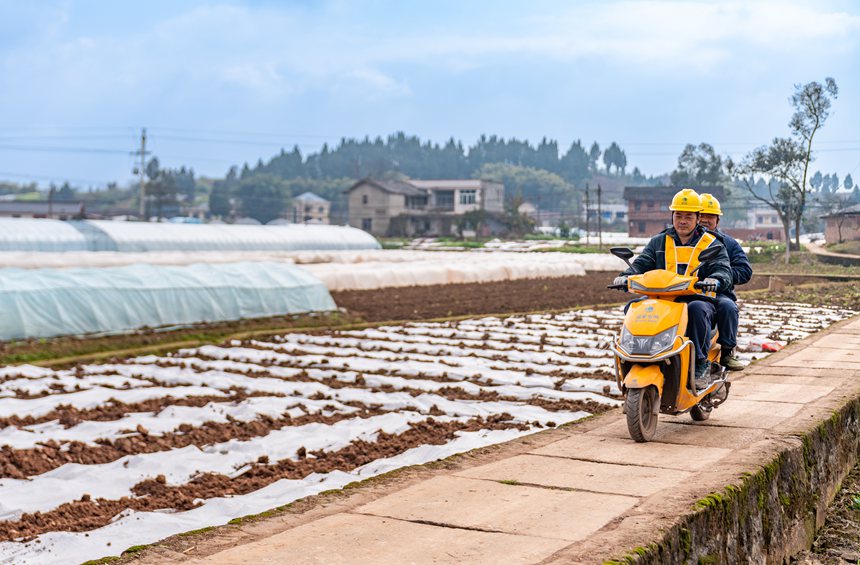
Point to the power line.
(52, 178)
(227, 141)
(57, 149)
(246, 133)
(61, 128)
(16, 138)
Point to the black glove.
(709, 285)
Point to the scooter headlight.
(663, 340)
(627, 341)
(647, 345)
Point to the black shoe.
(703, 374)
(730, 362)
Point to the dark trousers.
(727, 322)
(700, 320)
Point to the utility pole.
(587, 212)
(142, 152)
(51, 191)
(599, 221)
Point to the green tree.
(163, 191)
(827, 184)
(780, 161)
(816, 180)
(263, 196)
(517, 224)
(65, 193)
(574, 165)
(848, 183)
(546, 190)
(699, 166)
(186, 186)
(219, 200)
(614, 156)
(593, 156)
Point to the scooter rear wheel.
(641, 406)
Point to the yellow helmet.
(710, 205)
(686, 200)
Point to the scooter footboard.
(644, 375)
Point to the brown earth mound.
(526, 295)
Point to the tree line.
(538, 173)
(414, 158)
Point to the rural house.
(308, 208)
(421, 207)
(42, 209)
(648, 207)
(648, 214)
(842, 225)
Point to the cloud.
(270, 52)
(665, 34)
(377, 82)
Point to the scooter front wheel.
(642, 405)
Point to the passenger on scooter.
(726, 306)
(678, 248)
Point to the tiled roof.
(310, 197)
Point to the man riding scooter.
(726, 301)
(677, 249)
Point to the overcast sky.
(222, 83)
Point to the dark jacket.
(741, 268)
(654, 257)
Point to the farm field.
(100, 457)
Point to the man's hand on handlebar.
(708, 285)
(620, 283)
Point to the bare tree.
(811, 109)
(787, 159)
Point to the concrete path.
(581, 494)
(847, 259)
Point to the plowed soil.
(154, 494)
(525, 295)
(411, 303)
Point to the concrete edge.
(770, 514)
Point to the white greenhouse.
(52, 302)
(18, 234)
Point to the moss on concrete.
(770, 514)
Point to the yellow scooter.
(654, 359)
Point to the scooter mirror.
(622, 253)
(709, 253)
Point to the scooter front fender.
(641, 376)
